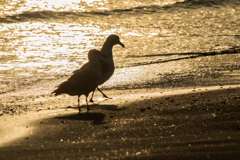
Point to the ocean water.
(44, 41)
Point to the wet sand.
(190, 123)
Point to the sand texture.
(197, 123)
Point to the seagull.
(84, 81)
(106, 61)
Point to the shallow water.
(44, 41)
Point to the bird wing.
(80, 82)
(84, 79)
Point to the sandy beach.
(175, 89)
(190, 123)
(166, 117)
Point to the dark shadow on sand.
(100, 107)
(96, 118)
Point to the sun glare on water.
(17, 7)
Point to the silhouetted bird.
(84, 81)
(106, 63)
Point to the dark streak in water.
(194, 55)
(39, 15)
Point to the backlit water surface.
(46, 40)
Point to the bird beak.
(121, 44)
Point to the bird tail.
(62, 88)
(56, 92)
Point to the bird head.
(114, 39)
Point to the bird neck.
(107, 49)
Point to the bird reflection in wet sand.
(106, 62)
(84, 81)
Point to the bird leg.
(79, 108)
(91, 100)
(87, 105)
(104, 95)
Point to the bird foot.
(105, 96)
(88, 109)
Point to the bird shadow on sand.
(100, 107)
(95, 117)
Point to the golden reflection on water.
(31, 51)
(11, 7)
(17, 6)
